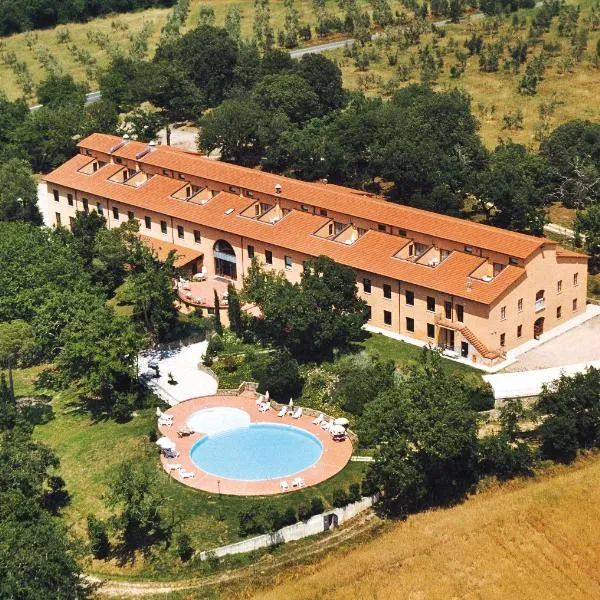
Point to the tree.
(207, 57)
(427, 439)
(234, 127)
(287, 93)
(571, 410)
(85, 228)
(217, 304)
(516, 186)
(233, 22)
(59, 90)
(505, 459)
(99, 544)
(124, 82)
(261, 27)
(325, 78)
(573, 153)
(359, 383)
(48, 135)
(278, 374)
(587, 223)
(315, 317)
(18, 193)
(234, 311)
(291, 24)
(134, 493)
(17, 343)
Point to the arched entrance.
(225, 261)
(538, 328)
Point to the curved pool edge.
(334, 458)
(299, 467)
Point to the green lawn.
(90, 451)
(404, 354)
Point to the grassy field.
(120, 26)
(90, 451)
(527, 539)
(572, 94)
(560, 215)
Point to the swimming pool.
(259, 451)
(217, 419)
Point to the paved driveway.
(578, 345)
(182, 363)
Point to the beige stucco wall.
(543, 271)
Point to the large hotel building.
(477, 290)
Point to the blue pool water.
(259, 451)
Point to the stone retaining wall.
(315, 525)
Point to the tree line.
(23, 15)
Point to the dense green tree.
(235, 128)
(360, 382)
(98, 351)
(17, 343)
(48, 135)
(571, 410)
(573, 152)
(101, 116)
(325, 78)
(514, 188)
(429, 147)
(59, 90)
(287, 93)
(85, 228)
(125, 82)
(133, 492)
(317, 316)
(234, 311)
(207, 57)
(427, 439)
(503, 458)
(278, 373)
(12, 114)
(18, 193)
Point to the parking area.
(576, 346)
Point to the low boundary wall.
(315, 525)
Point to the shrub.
(289, 516)
(250, 520)
(229, 363)
(559, 438)
(215, 345)
(354, 492)
(368, 487)
(122, 408)
(152, 435)
(482, 398)
(278, 372)
(184, 547)
(304, 512)
(339, 498)
(316, 506)
(99, 545)
(503, 459)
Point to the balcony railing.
(540, 304)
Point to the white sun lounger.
(173, 466)
(298, 413)
(298, 482)
(284, 486)
(281, 413)
(162, 415)
(318, 420)
(185, 474)
(259, 400)
(327, 425)
(166, 422)
(264, 407)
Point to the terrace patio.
(202, 293)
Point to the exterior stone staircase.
(468, 335)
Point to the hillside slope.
(524, 540)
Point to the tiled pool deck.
(334, 458)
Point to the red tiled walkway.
(334, 458)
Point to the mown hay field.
(526, 540)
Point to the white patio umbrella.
(164, 442)
(267, 395)
(341, 421)
(291, 403)
(337, 430)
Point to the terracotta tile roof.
(331, 197)
(373, 252)
(565, 253)
(162, 249)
